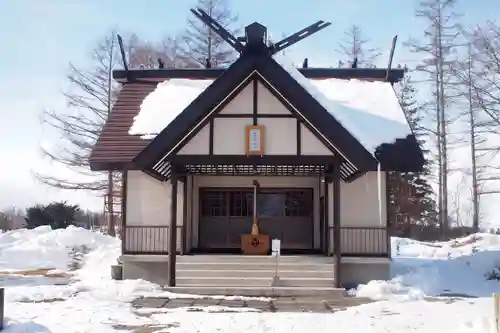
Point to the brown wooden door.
(226, 214)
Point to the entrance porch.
(308, 207)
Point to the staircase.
(255, 275)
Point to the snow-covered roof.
(370, 111)
(165, 103)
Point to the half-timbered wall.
(284, 134)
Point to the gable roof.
(293, 91)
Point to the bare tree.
(479, 77)
(437, 47)
(354, 45)
(200, 43)
(90, 98)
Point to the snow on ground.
(457, 267)
(89, 301)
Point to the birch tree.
(436, 46)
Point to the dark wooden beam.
(211, 137)
(172, 241)
(298, 136)
(124, 209)
(388, 221)
(392, 75)
(255, 101)
(326, 225)
(251, 115)
(336, 222)
(184, 214)
(248, 160)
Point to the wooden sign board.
(254, 140)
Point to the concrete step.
(322, 292)
(226, 266)
(257, 272)
(253, 282)
(254, 259)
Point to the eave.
(371, 74)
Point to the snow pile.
(468, 266)
(44, 248)
(164, 104)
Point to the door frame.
(263, 189)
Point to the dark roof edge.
(375, 74)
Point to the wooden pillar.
(2, 304)
(172, 241)
(184, 215)
(336, 222)
(326, 214)
(123, 234)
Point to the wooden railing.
(362, 241)
(149, 239)
(354, 241)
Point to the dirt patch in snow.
(47, 272)
(144, 328)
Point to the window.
(213, 203)
(241, 203)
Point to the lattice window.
(214, 204)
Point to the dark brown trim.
(211, 137)
(388, 212)
(336, 223)
(299, 137)
(326, 226)
(184, 215)
(355, 176)
(172, 245)
(294, 114)
(251, 115)
(395, 74)
(217, 93)
(215, 111)
(255, 101)
(273, 76)
(124, 208)
(257, 160)
(314, 112)
(154, 174)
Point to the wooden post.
(172, 245)
(2, 304)
(124, 210)
(326, 208)
(336, 222)
(111, 213)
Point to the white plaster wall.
(241, 103)
(267, 103)
(281, 135)
(148, 200)
(199, 144)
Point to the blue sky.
(40, 37)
